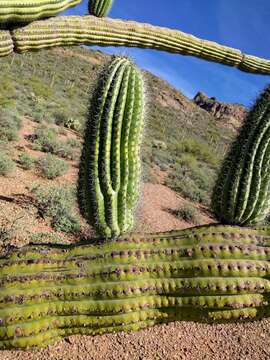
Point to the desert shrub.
(201, 150)
(66, 151)
(51, 167)
(27, 161)
(64, 119)
(188, 213)
(74, 143)
(45, 139)
(39, 87)
(10, 123)
(7, 165)
(58, 204)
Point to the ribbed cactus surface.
(242, 192)
(91, 30)
(99, 8)
(109, 176)
(214, 273)
(28, 10)
(6, 43)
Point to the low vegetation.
(188, 213)
(7, 165)
(51, 167)
(57, 203)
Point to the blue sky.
(242, 24)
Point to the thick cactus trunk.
(12, 11)
(214, 273)
(241, 195)
(90, 30)
(110, 166)
(100, 8)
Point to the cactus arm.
(29, 10)
(90, 30)
(49, 292)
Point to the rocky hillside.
(229, 115)
(44, 100)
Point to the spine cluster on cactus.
(13, 11)
(109, 176)
(100, 8)
(206, 274)
(242, 195)
(90, 30)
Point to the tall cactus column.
(215, 273)
(99, 8)
(242, 192)
(110, 166)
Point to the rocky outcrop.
(230, 115)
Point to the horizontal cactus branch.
(90, 30)
(109, 176)
(100, 8)
(241, 195)
(48, 292)
(14, 11)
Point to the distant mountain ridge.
(231, 115)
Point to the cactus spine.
(29, 10)
(241, 195)
(100, 8)
(90, 30)
(110, 165)
(49, 292)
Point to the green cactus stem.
(90, 30)
(242, 192)
(14, 11)
(48, 292)
(109, 176)
(100, 8)
(6, 43)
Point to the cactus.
(110, 165)
(241, 195)
(90, 30)
(49, 291)
(12, 11)
(6, 43)
(100, 8)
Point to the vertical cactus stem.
(99, 8)
(92, 202)
(239, 190)
(109, 146)
(109, 149)
(135, 145)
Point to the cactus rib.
(241, 195)
(100, 8)
(91, 30)
(48, 292)
(109, 172)
(13, 11)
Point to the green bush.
(10, 123)
(45, 139)
(58, 204)
(27, 161)
(51, 167)
(7, 165)
(188, 213)
(66, 151)
(63, 119)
